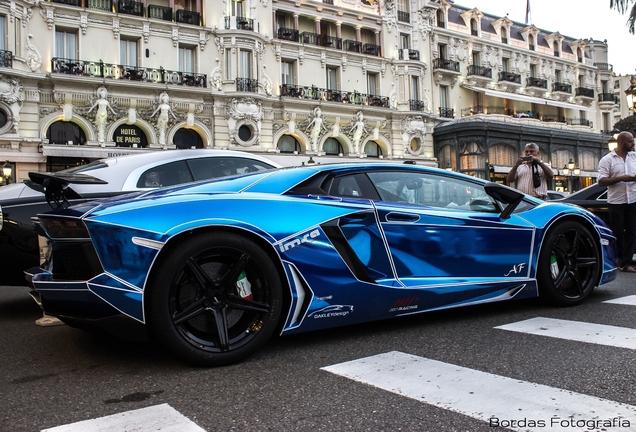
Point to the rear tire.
(194, 307)
(569, 264)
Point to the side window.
(432, 191)
(208, 168)
(169, 174)
(346, 187)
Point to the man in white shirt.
(527, 168)
(617, 171)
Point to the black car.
(592, 198)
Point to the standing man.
(617, 171)
(530, 173)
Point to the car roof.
(122, 172)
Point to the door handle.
(402, 217)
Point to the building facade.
(422, 80)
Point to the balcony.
(409, 54)
(558, 87)
(188, 17)
(606, 101)
(404, 16)
(247, 85)
(130, 7)
(69, 2)
(446, 112)
(509, 77)
(372, 49)
(320, 40)
(99, 69)
(103, 5)
(604, 67)
(417, 105)
(484, 109)
(352, 46)
(160, 12)
(6, 59)
(480, 71)
(450, 65)
(332, 95)
(584, 92)
(537, 82)
(288, 34)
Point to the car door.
(446, 231)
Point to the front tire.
(196, 309)
(569, 264)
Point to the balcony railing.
(160, 12)
(321, 40)
(417, 105)
(536, 82)
(479, 71)
(510, 77)
(404, 16)
(189, 17)
(331, 95)
(6, 59)
(561, 87)
(409, 54)
(450, 65)
(578, 122)
(485, 109)
(103, 5)
(352, 45)
(99, 69)
(447, 112)
(372, 49)
(604, 66)
(69, 2)
(288, 34)
(441, 24)
(130, 7)
(606, 97)
(247, 85)
(329, 2)
(585, 92)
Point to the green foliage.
(626, 124)
(622, 6)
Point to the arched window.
(504, 35)
(187, 138)
(372, 149)
(473, 27)
(447, 157)
(288, 144)
(531, 43)
(440, 19)
(332, 147)
(62, 132)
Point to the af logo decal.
(298, 240)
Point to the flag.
(528, 18)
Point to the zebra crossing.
(501, 402)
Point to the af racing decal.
(405, 305)
(296, 241)
(332, 311)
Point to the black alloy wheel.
(215, 299)
(569, 264)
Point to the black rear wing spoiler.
(56, 186)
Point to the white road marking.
(629, 300)
(500, 401)
(162, 418)
(577, 331)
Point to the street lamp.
(613, 141)
(570, 170)
(7, 170)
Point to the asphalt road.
(54, 376)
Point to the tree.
(622, 6)
(627, 124)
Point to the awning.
(532, 99)
(14, 156)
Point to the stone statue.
(165, 110)
(101, 116)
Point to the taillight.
(64, 228)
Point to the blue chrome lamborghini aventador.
(213, 269)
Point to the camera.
(527, 158)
